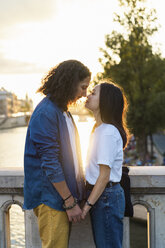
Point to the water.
(12, 143)
(17, 228)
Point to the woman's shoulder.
(108, 129)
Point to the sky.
(36, 35)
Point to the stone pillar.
(2, 230)
(159, 228)
(5, 202)
(126, 233)
(7, 226)
(32, 238)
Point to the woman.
(104, 165)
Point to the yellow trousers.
(53, 227)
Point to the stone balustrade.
(147, 189)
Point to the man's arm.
(74, 214)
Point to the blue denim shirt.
(48, 158)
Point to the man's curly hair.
(61, 82)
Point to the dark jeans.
(107, 218)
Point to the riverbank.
(15, 120)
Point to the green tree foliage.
(129, 60)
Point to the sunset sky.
(36, 35)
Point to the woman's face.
(93, 99)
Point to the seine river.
(12, 143)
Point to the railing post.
(7, 226)
(32, 238)
(126, 233)
(5, 202)
(160, 224)
(151, 228)
(2, 230)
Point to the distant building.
(25, 105)
(6, 103)
(10, 104)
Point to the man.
(54, 183)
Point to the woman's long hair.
(113, 106)
(61, 82)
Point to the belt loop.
(110, 184)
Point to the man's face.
(82, 88)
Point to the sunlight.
(73, 30)
(84, 129)
(69, 33)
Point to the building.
(25, 105)
(6, 102)
(10, 104)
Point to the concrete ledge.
(144, 179)
(147, 180)
(11, 171)
(147, 170)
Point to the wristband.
(89, 204)
(71, 206)
(67, 197)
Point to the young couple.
(54, 184)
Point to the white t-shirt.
(72, 136)
(105, 147)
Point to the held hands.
(75, 214)
(86, 209)
(73, 210)
(84, 212)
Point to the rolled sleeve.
(44, 134)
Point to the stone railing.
(147, 189)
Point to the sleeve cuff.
(56, 179)
(108, 163)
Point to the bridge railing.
(147, 189)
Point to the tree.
(129, 60)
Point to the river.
(12, 143)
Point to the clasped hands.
(77, 214)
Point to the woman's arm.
(98, 189)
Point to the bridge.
(147, 189)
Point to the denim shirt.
(48, 158)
